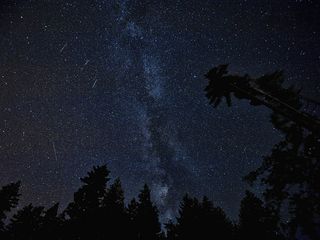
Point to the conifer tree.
(51, 224)
(9, 197)
(114, 217)
(132, 211)
(84, 213)
(147, 219)
(200, 220)
(26, 223)
(257, 221)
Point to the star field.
(120, 82)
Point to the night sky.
(120, 82)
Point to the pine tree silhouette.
(171, 230)
(84, 213)
(9, 197)
(146, 219)
(90, 195)
(26, 223)
(214, 221)
(256, 221)
(115, 218)
(114, 198)
(187, 222)
(132, 211)
(200, 220)
(51, 225)
(98, 213)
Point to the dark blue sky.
(120, 82)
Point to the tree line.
(98, 211)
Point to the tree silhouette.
(114, 198)
(214, 221)
(292, 172)
(132, 211)
(26, 223)
(51, 224)
(84, 212)
(267, 90)
(90, 195)
(256, 221)
(35, 223)
(220, 85)
(187, 221)
(114, 216)
(9, 197)
(146, 219)
(200, 220)
(171, 230)
(98, 212)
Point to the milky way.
(121, 83)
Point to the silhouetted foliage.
(146, 218)
(89, 197)
(84, 212)
(51, 224)
(26, 223)
(98, 212)
(9, 197)
(220, 85)
(257, 221)
(114, 216)
(267, 90)
(132, 211)
(35, 223)
(200, 220)
(291, 174)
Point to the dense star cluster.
(120, 82)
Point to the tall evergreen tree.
(257, 221)
(84, 213)
(188, 219)
(114, 217)
(214, 222)
(90, 195)
(9, 197)
(51, 225)
(114, 198)
(26, 223)
(147, 219)
(132, 211)
(171, 230)
(200, 220)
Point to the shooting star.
(85, 64)
(64, 46)
(94, 84)
(55, 152)
(245, 152)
